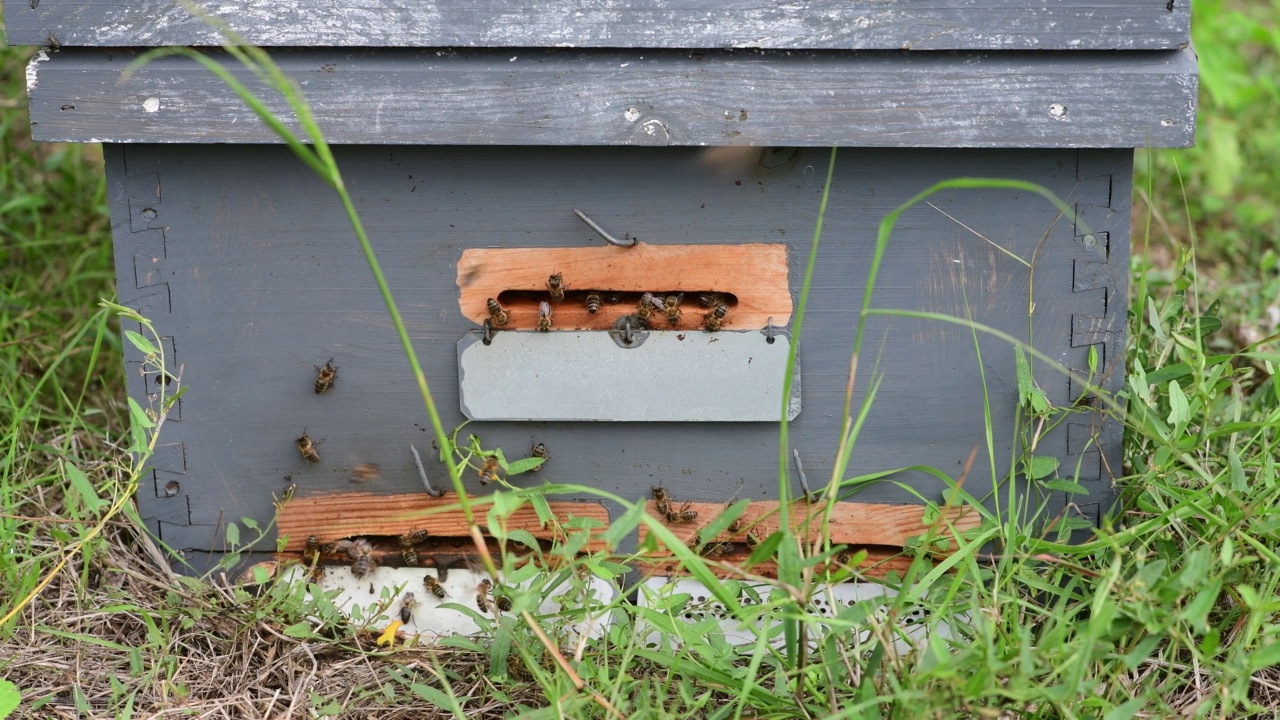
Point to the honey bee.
(311, 550)
(683, 515)
(308, 448)
(661, 500)
(407, 541)
(718, 549)
(365, 472)
(489, 471)
(407, 605)
(503, 602)
(325, 377)
(317, 575)
(714, 320)
(434, 587)
(544, 316)
(711, 300)
(497, 315)
(362, 554)
(555, 286)
(753, 542)
(645, 310)
(671, 306)
(736, 526)
(539, 450)
(593, 303)
(482, 595)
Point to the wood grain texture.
(646, 98)
(851, 523)
(342, 515)
(755, 274)
(848, 24)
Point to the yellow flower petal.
(388, 636)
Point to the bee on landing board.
(325, 377)
(407, 605)
(544, 316)
(555, 286)
(308, 448)
(489, 471)
(683, 515)
(644, 312)
(671, 306)
(661, 500)
(361, 553)
(593, 303)
(434, 587)
(714, 320)
(497, 315)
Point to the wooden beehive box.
(468, 135)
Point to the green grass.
(1170, 611)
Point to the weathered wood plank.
(849, 24)
(548, 97)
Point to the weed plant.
(1169, 610)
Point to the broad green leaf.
(1040, 466)
(84, 489)
(1023, 369)
(141, 342)
(1196, 612)
(1093, 360)
(233, 534)
(524, 465)
(1267, 657)
(541, 507)
(1235, 470)
(249, 523)
(623, 526)
(1065, 485)
(431, 695)
(9, 698)
(260, 575)
(139, 416)
(299, 630)
(1179, 410)
(1126, 710)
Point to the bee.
(671, 306)
(434, 587)
(718, 549)
(407, 541)
(362, 554)
(736, 526)
(844, 557)
(544, 316)
(365, 472)
(714, 320)
(593, 303)
(753, 542)
(503, 602)
(555, 286)
(539, 450)
(317, 575)
(311, 550)
(497, 315)
(661, 500)
(489, 471)
(407, 604)
(325, 377)
(308, 448)
(683, 515)
(645, 310)
(711, 300)
(482, 595)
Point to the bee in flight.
(361, 552)
(544, 316)
(407, 605)
(683, 515)
(325, 377)
(434, 587)
(365, 472)
(555, 286)
(714, 320)
(671, 306)
(482, 595)
(593, 303)
(539, 450)
(497, 316)
(407, 541)
(645, 310)
(489, 471)
(308, 448)
(661, 500)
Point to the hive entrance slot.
(575, 311)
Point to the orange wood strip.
(851, 523)
(341, 515)
(756, 273)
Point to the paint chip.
(151, 104)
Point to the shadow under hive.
(466, 168)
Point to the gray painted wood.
(548, 97)
(246, 263)
(841, 25)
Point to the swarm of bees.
(325, 377)
(489, 470)
(555, 286)
(434, 587)
(307, 447)
(662, 502)
(407, 541)
(544, 316)
(497, 316)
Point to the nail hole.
(149, 213)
